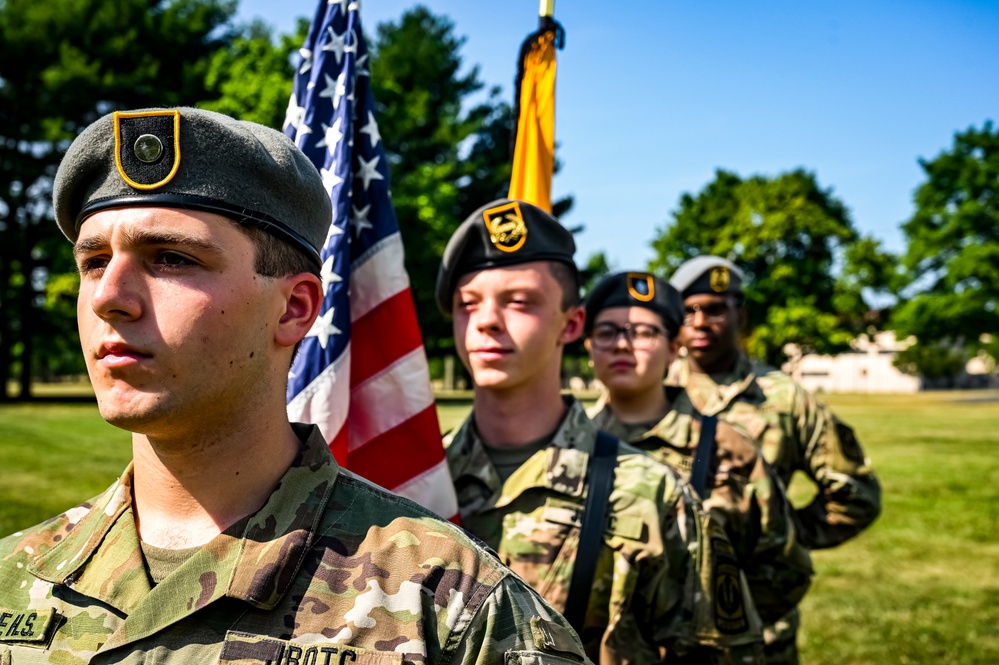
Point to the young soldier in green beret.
(632, 320)
(605, 533)
(233, 537)
(795, 431)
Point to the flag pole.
(547, 8)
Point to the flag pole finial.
(547, 8)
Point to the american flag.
(361, 373)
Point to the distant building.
(867, 368)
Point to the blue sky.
(653, 96)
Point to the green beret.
(193, 159)
(636, 289)
(707, 274)
(501, 233)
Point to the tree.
(63, 64)
(952, 262)
(252, 78)
(786, 233)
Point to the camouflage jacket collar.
(563, 468)
(673, 429)
(257, 568)
(709, 394)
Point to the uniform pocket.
(540, 547)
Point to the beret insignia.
(641, 287)
(147, 147)
(505, 223)
(719, 279)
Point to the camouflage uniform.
(666, 583)
(744, 493)
(331, 571)
(796, 433)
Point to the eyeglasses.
(711, 313)
(639, 335)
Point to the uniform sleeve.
(514, 626)
(849, 496)
(715, 620)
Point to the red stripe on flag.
(339, 446)
(393, 324)
(400, 453)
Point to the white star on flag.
(327, 274)
(369, 170)
(334, 230)
(359, 219)
(334, 89)
(330, 178)
(323, 328)
(294, 115)
(306, 60)
(359, 69)
(336, 45)
(331, 136)
(371, 129)
(303, 131)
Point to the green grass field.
(921, 586)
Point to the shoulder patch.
(730, 610)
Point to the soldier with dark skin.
(665, 587)
(632, 323)
(233, 536)
(794, 430)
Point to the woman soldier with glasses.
(632, 321)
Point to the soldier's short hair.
(273, 257)
(568, 279)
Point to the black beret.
(193, 159)
(501, 233)
(636, 289)
(707, 274)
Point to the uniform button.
(148, 148)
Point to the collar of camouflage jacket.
(561, 466)
(100, 556)
(709, 394)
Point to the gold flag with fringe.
(534, 151)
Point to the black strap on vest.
(705, 451)
(600, 478)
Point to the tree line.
(813, 279)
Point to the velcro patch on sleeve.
(25, 625)
(553, 638)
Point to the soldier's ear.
(742, 317)
(575, 317)
(303, 299)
